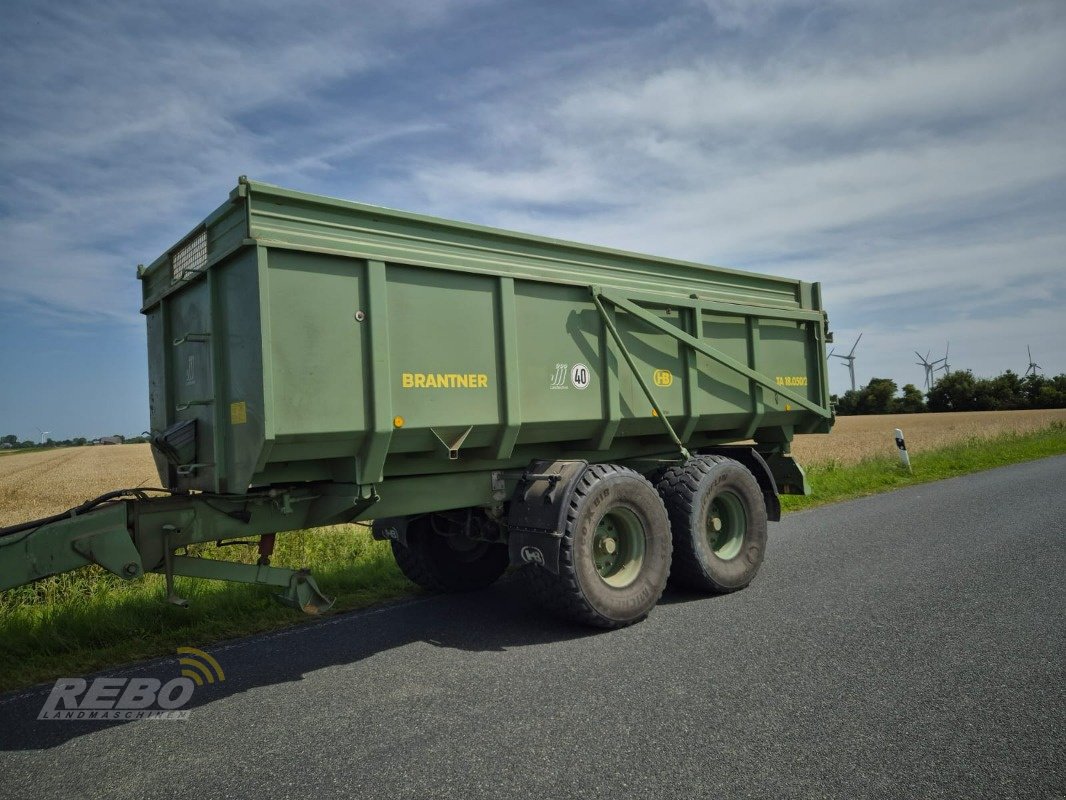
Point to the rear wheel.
(453, 563)
(614, 557)
(718, 520)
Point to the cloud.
(921, 177)
(124, 124)
(723, 103)
(744, 15)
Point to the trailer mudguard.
(536, 517)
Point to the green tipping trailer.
(488, 398)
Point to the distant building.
(6, 446)
(109, 440)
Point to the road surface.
(909, 644)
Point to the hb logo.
(533, 555)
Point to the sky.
(911, 156)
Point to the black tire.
(597, 585)
(448, 563)
(709, 558)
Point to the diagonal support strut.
(596, 295)
(717, 355)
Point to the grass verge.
(87, 620)
(832, 482)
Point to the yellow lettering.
(444, 380)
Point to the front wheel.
(448, 563)
(718, 519)
(614, 556)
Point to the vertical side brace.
(693, 319)
(819, 330)
(168, 379)
(758, 406)
(266, 356)
(611, 397)
(377, 350)
(220, 434)
(636, 372)
(507, 367)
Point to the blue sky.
(909, 155)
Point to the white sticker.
(580, 376)
(559, 376)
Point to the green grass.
(88, 620)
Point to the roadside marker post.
(904, 457)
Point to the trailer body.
(311, 339)
(314, 360)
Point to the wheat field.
(856, 438)
(47, 482)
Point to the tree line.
(957, 391)
(12, 441)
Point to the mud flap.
(531, 547)
(393, 529)
(536, 517)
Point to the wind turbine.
(930, 366)
(849, 359)
(43, 434)
(946, 368)
(1033, 366)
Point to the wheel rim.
(618, 547)
(726, 524)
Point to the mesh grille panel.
(190, 258)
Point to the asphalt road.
(910, 644)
